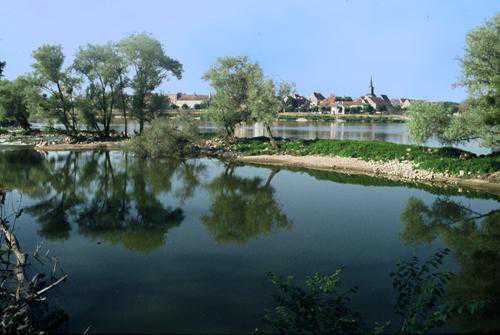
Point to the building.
(315, 98)
(190, 100)
(378, 103)
(328, 102)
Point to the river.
(165, 246)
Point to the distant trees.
(149, 65)
(480, 117)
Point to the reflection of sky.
(194, 283)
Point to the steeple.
(372, 89)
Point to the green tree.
(480, 117)
(59, 85)
(168, 137)
(266, 102)
(232, 78)
(149, 66)
(103, 68)
(17, 101)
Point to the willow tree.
(58, 85)
(102, 67)
(267, 101)
(480, 116)
(149, 66)
(233, 79)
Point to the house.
(315, 98)
(190, 100)
(328, 102)
(347, 107)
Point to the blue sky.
(410, 47)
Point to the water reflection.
(117, 201)
(243, 208)
(474, 239)
(116, 198)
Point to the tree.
(266, 102)
(150, 66)
(102, 67)
(58, 85)
(480, 117)
(232, 78)
(17, 101)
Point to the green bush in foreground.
(170, 137)
(447, 159)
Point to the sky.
(410, 47)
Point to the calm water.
(389, 132)
(162, 246)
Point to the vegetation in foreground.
(447, 160)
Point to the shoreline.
(393, 170)
(390, 170)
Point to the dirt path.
(393, 169)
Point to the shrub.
(172, 137)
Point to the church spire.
(372, 89)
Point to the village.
(370, 103)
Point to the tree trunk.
(271, 137)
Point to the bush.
(172, 137)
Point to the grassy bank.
(446, 160)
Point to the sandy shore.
(392, 170)
(111, 145)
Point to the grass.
(448, 160)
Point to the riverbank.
(383, 159)
(394, 170)
(388, 160)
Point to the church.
(379, 103)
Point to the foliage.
(103, 68)
(17, 101)
(169, 137)
(59, 85)
(232, 78)
(149, 66)
(420, 290)
(318, 308)
(480, 117)
(445, 159)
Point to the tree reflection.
(109, 196)
(475, 240)
(242, 208)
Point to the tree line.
(103, 78)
